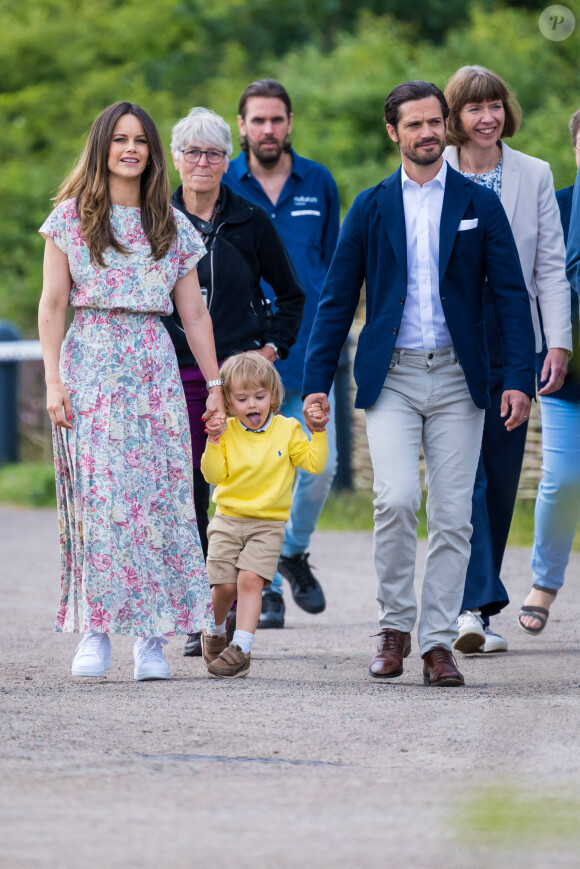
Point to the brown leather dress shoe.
(392, 647)
(440, 669)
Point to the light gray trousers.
(425, 400)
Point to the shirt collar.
(440, 178)
(241, 168)
(257, 430)
(298, 165)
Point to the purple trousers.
(195, 397)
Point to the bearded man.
(301, 197)
(425, 240)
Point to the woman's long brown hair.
(88, 184)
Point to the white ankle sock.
(244, 640)
(218, 631)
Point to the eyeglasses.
(193, 155)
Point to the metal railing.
(19, 351)
(14, 351)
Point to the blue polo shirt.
(307, 217)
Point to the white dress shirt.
(423, 326)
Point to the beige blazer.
(529, 200)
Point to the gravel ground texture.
(307, 762)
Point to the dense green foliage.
(62, 61)
(28, 484)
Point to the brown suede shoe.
(212, 647)
(440, 669)
(392, 647)
(231, 663)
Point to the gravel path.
(307, 762)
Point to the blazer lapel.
(390, 204)
(455, 201)
(451, 154)
(510, 180)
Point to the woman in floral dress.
(120, 255)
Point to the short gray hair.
(202, 125)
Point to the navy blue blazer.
(573, 239)
(372, 247)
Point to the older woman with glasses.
(482, 113)
(243, 248)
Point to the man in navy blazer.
(424, 240)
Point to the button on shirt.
(423, 326)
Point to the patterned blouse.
(133, 281)
(491, 180)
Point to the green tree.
(62, 61)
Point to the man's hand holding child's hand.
(315, 418)
(215, 427)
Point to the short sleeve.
(191, 247)
(58, 224)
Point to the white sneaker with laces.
(494, 642)
(93, 655)
(149, 660)
(471, 635)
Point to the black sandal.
(538, 612)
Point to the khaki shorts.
(238, 543)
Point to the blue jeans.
(558, 503)
(310, 490)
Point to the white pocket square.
(467, 224)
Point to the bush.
(28, 485)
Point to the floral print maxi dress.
(131, 561)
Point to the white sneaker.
(149, 660)
(471, 632)
(494, 642)
(93, 655)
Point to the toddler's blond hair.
(250, 370)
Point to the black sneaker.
(273, 609)
(192, 648)
(231, 624)
(306, 589)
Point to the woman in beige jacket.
(483, 112)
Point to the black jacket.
(243, 247)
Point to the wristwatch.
(217, 382)
(274, 348)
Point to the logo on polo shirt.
(300, 202)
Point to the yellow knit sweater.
(254, 472)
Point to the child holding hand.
(251, 460)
